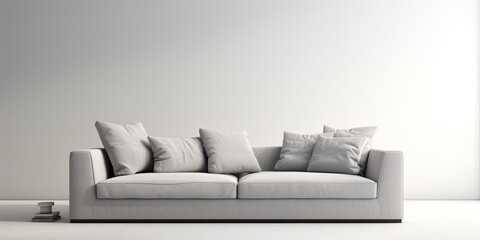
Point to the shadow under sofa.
(269, 196)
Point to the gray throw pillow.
(178, 154)
(337, 155)
(297, 151)
(229, 152)
(127, 147)
(356, 132)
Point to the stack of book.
(46, 217)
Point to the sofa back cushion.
(229, 152)
(127, 147)
(337, 155)
(356, 132)
(297, 151)
(178, 154)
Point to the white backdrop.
(409, 67)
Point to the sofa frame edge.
(235, 220)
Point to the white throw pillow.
(297, 151)
(178, 154)
(337, 155)
(127, 147)
(356, 132)
(229, 152)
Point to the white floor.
(423, 220)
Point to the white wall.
(409, 67)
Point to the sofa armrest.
(386, 168)
(87, 168)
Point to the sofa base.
(91, 167)
(234, 210)
(235, 220)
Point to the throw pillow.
(178, 154)
(337, 155)
(297, 151)
(356, 132)
(229, 152)
(127, 147)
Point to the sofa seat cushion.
(169, 185)
(305, 185)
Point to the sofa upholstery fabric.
(169, 185)
(356, 132)
(229, 152)
(337, 155)
(89, 167)
(275, 184)
(178, 154)
(127, 147)
(297, 151)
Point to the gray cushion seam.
(319, 198)
(167, 198)
(168, 183)
(313, 183)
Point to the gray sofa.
(267, 196)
